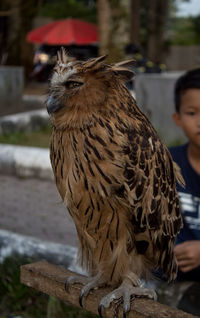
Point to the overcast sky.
(189, 8)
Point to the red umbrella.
(66, 32)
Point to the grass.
(17, 299)
(39, 138)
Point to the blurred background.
(162, 33)
(163, 36)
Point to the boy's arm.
(188, 255)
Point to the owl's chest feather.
(85, 170)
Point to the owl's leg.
(124, 294)
(88, 282)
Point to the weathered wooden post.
(50, 279)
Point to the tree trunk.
(104, 22)
(20, 23)
(156, 18)
(135, 7)
(113, 22)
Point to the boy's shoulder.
(192, 179)
(179, 152)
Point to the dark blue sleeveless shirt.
(190, 203)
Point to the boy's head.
(189, 80)
(187, 104)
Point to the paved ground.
(33, 207)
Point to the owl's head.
(78, 88)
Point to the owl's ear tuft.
(125, 74)
(126, 64)
(123, 69)
(62, 56)
(95, 63)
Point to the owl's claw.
(127, 306)
(100, 310)
(79, 280)
(92, 283)
(83, 294)
(125, 294)
(76, 280)
(67, 283)
(81, 299)
(72, 280)
(125, 310)
(88, 282)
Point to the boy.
(187, 117)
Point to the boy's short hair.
(191, 79)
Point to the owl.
(115, 176)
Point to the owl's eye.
(72, 84)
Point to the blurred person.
(187, 156)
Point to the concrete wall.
(11, 88)
(182, 57)
(154, 95)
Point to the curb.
(26, 121)
(25, 162)
(36, 249)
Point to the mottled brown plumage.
(114, 174)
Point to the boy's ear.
(176, 119)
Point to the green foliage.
(18, 299)
(185, 31)
(196, 26)
(178, 30)
(39, 138)
(61, 9)
(15, 298)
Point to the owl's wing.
(150, 176)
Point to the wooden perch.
(50, 279)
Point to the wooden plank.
(50, 279)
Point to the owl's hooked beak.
(53, 105)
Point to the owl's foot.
(124, 294)
(88, 282)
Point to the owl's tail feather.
(174, 271)
(178, 174)
(167, 261)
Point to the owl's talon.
(88, 282)
(100, 310)
(81, 297)
(75, 280)
(124, 314)
(67, 283)
(125, 310)
(125, 294)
